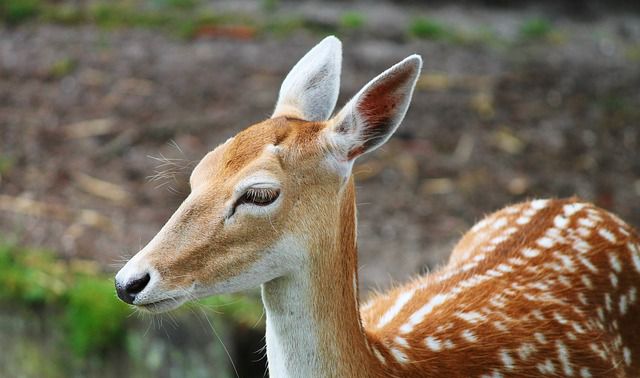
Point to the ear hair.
(370, 118)
(310, 90)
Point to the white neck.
(313, 320)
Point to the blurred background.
(105, 107)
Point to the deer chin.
(162, 305)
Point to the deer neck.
(313, 320)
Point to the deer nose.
(128, 291)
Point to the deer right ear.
(310, 90)
(372, 115)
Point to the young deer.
(544, 288)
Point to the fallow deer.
(543, 288)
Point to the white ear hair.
(310, 90)
(370, 118)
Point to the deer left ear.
(373, 115)
(310, 90)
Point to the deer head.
(257, 200)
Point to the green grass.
(83, 298)
(426, 28)
(536, 29)
(352, 20)
(16, 11)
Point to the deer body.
(545, 288)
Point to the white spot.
(379, 356)
(523, 220)
(419, 315)
(571, 336)
(540, 337)
(469, 336)
(585, 373)
(587, 263)
(632, 294)
(507, 360)
(547, 367)
(626, 352)
(623, 304)
(510, 231)
(560, 222)
(538, 314)
(398, 355)
(586, 281)
(494, 374)
(584, 232)
(500, 326)
(614, 279)
(499, 223)
(600, 313)
(607, 302)
(494, 273)
(615, 262)
(586, 222)
(525, 350)
(471, 317)
(598, 351)
(577, 327)
(635, 256)
(516, 261)
(572, 208)
(566, 261)
(583, 299)
(563, 357)
(581, 246)
(545, 242)
(392, 312)
(505, 268)
(530, 252)
(498, 239)
(607, 235)
(539, 204)
(433, 344)
(559, 318)
(448, 344)
(401, 341)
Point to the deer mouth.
(162, 305)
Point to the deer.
(547, 287)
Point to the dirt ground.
(87, 116)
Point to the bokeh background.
(105, 107)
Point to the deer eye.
(259, 196)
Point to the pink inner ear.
(381, 99)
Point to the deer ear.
(372, 116)
(310, 90)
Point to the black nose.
(129, 291)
